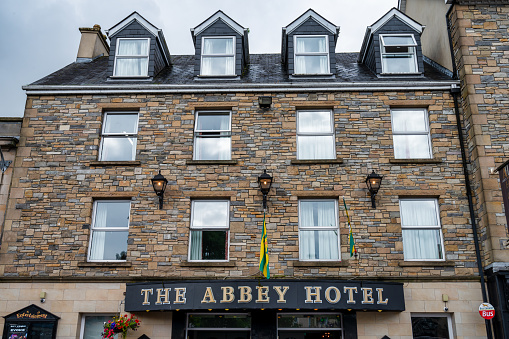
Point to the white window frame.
(326, 53)
(319, 228)
(225, 55)
(436, 315)
(426, 132)
(84, 315)
(106, 229)
(105, 135)
(424, 227)
(209, 228)
(226, 133)
(331, 133)
(412, 51)
(145, 56)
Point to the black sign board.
(264, 294)
(30, 322)
(17, 331)
(504, 183)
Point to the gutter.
(282, 87)
(455, 91)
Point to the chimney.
(93, 44)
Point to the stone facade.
(480, 41)
(57, 178)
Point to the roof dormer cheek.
(221, 48)
(138, 49)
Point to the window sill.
(415, 161)
(316, 161)
(313, 76)
(320, 264)
(207, 264)
(211, 162)
(217, 77)
(401, 74)
(431, 263)
(104, 264)
(129, 78)
(116, 163)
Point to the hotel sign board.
(264, 294)
(503, 172)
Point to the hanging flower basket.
(120, 325)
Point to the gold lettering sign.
(263, 294)
(327, 295)
(163, 295)
(245, 294)
(145, 292)
(350, 294)
(28, 315)
(380, 300)
(180, 295)
(208, 298)
(310, 294)
(281, 293)
(228, 296)
(367, 295)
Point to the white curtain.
(221, 64)
(213, 146)
(131, 66)
(422, 244)
(406, 144)
(218, 65)
(196, 245)
(318, 243)
(315, 147)
(99, 237)
(311, 64)
(419, 242)
(132, 47)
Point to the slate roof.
(263, 69)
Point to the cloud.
(40, 37)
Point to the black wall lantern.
(373, 182)
(264, 102)
(159, 183)
(265, 182)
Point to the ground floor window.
(309, 326)
(218, 326)
(426, 325)
(92, 325)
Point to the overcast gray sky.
(39, 37)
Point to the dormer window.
(311, 55)
(131, 57)
(218, 56)
(398, 54)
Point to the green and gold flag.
(351, 241)
(264, 252)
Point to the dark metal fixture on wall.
(373, 182)
(265, 182)
(265, 102)
(159, 183)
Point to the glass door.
(218, 326)
(310, 326)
